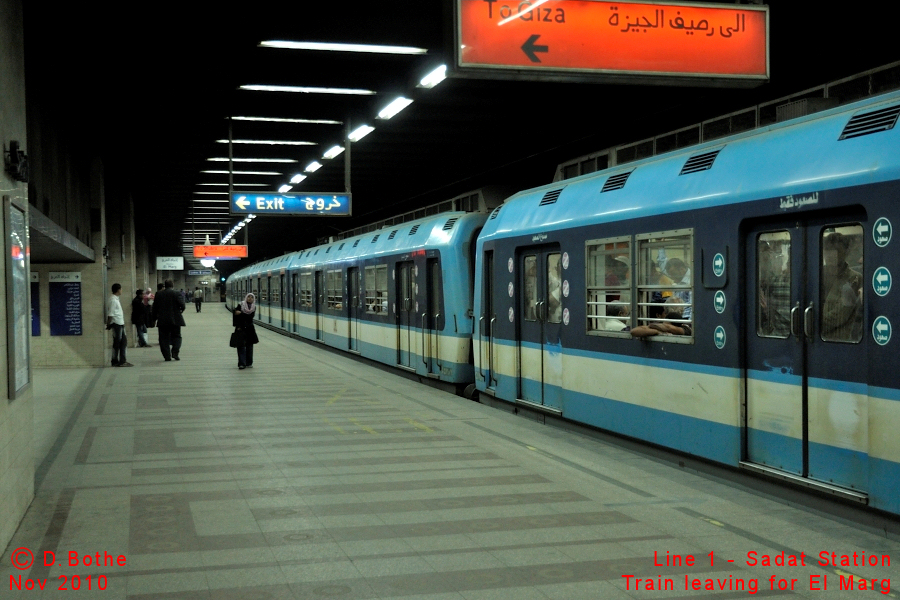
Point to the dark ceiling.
(150, 87)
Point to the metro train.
(763, 260)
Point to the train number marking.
(720, 337)
(881, 281)
(719, 302)
(881, 232)
(881, 330)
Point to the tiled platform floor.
(312, 476)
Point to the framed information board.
(65, 303)
(18, 309)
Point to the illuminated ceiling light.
(237, 184)
(297, 89)
(211, 193)
(335, 47)
(333, 151)
(284, 189)
(245, 172)
(394, 107)
(313, 166)
(207, 262)
(282, 120)
(269, 142)
(360, 132)
(253, 160)
(297, 178)
(434, 78)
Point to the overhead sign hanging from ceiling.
(309, 204)
(621, 42)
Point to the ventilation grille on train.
(450, 223)
(356, 243)
(341, 247)
(375, 239)
(414, 229)
(328, 250)
(496, 212)
(700, 162)
(871, 122)
(616, 182)
(551, 197)
(393, 234)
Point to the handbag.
(237, 339)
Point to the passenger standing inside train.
(115, 320)
(774, 295)
(244, 328)
(842, 314)
(167, 308)
(139, 318)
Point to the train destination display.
(719, 43)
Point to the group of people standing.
(164, 311)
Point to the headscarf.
(248, 308)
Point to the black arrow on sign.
(529, 48)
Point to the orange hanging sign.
(588, 37)
(220, 252)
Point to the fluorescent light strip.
(434, 78)
(244, 172)
(394, 107)
(284, 189)
(237, 185)
(313, 166)
(333, 151)
(336, 47)
(297, 89)
(253, 160)
(268, 142)
(360, 132)
(298, 178)
(282, 120)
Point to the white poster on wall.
(169, 263)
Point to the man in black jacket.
(167, 308)
(139, 318)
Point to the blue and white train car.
(401, 296)
(771, 252)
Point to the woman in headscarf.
(246, 332)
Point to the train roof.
(845, 146)
(439, 231)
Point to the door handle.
(481, 346)
(795, 321)
(808, 325)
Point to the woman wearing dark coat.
(243, 323)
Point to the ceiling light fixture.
(268, 142)
(333, 151)
(394, 107)
(313, 166)
(284, 189)
(298, 89)
(360, 132)
(434, 78)
(337, 47)
(244, 172)
(297, 178)
(283, 120)
(253, 160)
(237, 185)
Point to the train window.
(334, 289)
(306, 289)
(531, 288)
(554, 288)
(841, 284)
(376, 290)
(665, 278)
(608, 284)
(773, 309)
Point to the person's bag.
(237, 339)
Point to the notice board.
(65, 303)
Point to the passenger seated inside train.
(617, 318)
(669, 320)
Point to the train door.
(270, 306)
(431, 318)
(283, 293)
(319, 300)
(807, 410)
(540, 349)
(295, 301)
(406, 312)
(486, 323)
(353, 308)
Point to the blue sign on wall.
(312, 203)
(65, 303)
(35, 305)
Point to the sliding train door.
(807, 408)
(431, 318)
(353, 308)
(319, 302)
(540, 319)
(405, 277)
(486, 323)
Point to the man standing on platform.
(198, 299)
(167, 308)
(115, 320)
